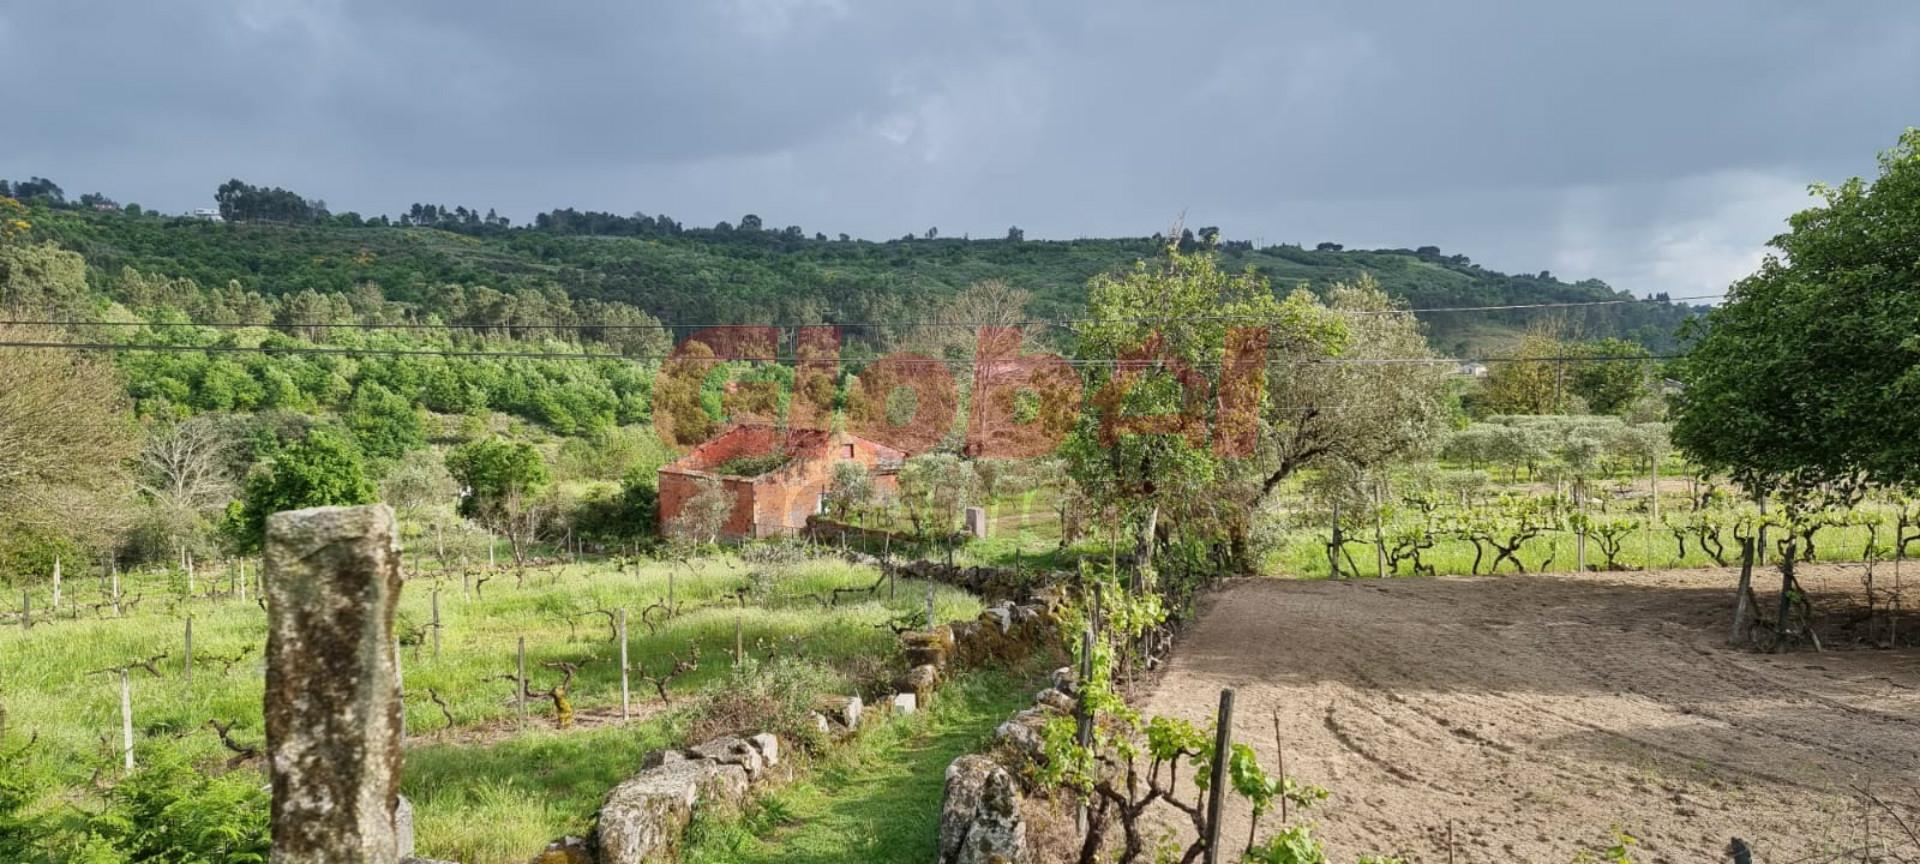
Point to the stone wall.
(644, 819)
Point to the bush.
(774, 695)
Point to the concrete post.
(332, 692)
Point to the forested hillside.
(459, 266)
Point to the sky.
(1653, 145)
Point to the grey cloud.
(1651, 144)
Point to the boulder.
(769, 746)
(403, 827)
(1055, 700)
(657, 758)
(819, 722)
(1025, 733)
(732, 751)
(928, 647)
(842, 710)
(980, 821)
(905, 703)
(1066, 680)
(1000, 615)
(921, 681)
(644, 817)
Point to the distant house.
(1472, 369)
(790, 471)
(211, 214)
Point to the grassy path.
(875, 801)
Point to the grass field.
(487, 788)
(875, 801)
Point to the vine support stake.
(436, 623)
(126, 718)
(1083, 734)
(188, 661)
(56, 587)
(26, 610)
(520, 681)
(1653, 503)
(626, 698)
(1217, 787)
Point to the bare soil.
(1536, 713)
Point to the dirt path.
(1538, 712)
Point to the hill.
(747, 274)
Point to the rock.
(403, 828)
(1056, 701)
(657, 758)
(1066, 680)
(980, 819)
(1025, 733)
(843, 710)
(643, 818)
(976, 521)
(928, 647)
(732, 751)
(921, 681)
(820, 723)
(905, 703)
(1001, 615)
(566, 850)
(769, 746)
(333, 711)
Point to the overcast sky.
(1655, 145)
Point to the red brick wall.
(778, 502)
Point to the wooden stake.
(189, 657)
(115, 565)
(126, 717)
(1653, 504)
(1216, 791)
(520, 679)
(625, 693)
(26, 610)
(436, 623)
(739, 638)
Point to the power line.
(971, 325)
(108, 347)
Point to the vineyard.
(715, 645)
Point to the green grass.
(525, 790)
(875, 801)
(504, 801)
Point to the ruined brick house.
(779, 501)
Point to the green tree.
(1613, 375)
(1810, 371)
(1528, 380)
(324, 469)
(502, 481)
(384, 422)
(849, 488)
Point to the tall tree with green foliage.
(324, 469)
(502, 482)
(1810, 372)
(1155, 344)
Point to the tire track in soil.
(1536, 712)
